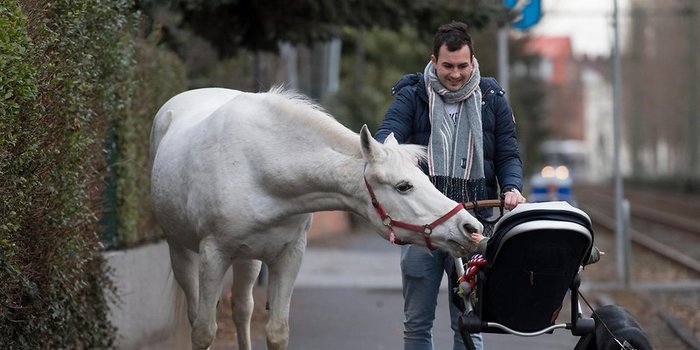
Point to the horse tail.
(178, 316)
(160, 126)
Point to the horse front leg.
(212, 267)
(283, 273)
(245, 273)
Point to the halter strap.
(426, 229)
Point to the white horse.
(236, 176)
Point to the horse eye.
(404, 186)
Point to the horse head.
(405, 206)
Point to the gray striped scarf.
(455, 148)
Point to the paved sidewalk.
(348, 297)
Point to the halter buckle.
(427, 230)
(387, 221)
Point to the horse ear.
(391, 140)
(369, 144)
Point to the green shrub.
(17, 183)
(67, 71)
(17, 149)
(159, 75)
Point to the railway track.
(657, 225)
(665, 261)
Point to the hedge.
(69, 77)
(159, 75)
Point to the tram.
(564, 161)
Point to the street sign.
(530, 12)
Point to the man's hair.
(455, 35)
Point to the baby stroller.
(531, 261)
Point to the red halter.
(426, 230)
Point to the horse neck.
(330, 178)
(324, 169)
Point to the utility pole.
(692, 94)
(637, 61)
(621, 208)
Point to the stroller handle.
(486, 203)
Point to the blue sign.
(530, 12)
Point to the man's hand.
(512, 198)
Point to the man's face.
(453, 68)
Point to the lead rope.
(624, 345)
(392, 235)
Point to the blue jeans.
(421, 274)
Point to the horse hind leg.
(212, 267)
(245, 274)
(185, 268)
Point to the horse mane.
(303, 109)
(312, 114)
(299, 99)
(306, 112)
(414, 153)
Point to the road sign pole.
(503, 68)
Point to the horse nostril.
(470, 229)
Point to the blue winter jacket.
(408, 119)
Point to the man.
(469, 130)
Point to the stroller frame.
(570, 229)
